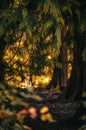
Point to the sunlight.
(49, 57)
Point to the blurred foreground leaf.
(84, 127)
(1, 128)
(17, 127)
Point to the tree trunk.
(75, 84)
(55, 81)
(84, 63)
(84, 76)
(59, 77)
(63, 60)
(2, 64)
(74, 90)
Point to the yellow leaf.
(43, 117)
(19, 117)
(49, 117)
(11, 97)
(44, 109)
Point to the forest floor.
(65, 113)
(52, 114)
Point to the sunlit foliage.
(17, 58)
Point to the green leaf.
(46, 6)
(24, 12)
(1, 128)
(17, 127)
(67, 9)
(83, 127)
(84, 103)
(84, 54)
(40, 4)
(22, 25)
(53, 9)
(77, 12)
(47, 26)
(2, 86)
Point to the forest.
(42, 65)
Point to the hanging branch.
(14, 55)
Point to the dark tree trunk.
(59, 77)
(75, 84)
(78, 79)
(55, 81)
(63, 60)
(2, 64)
(84, 63)
(2, 68)
(74, 89)
(84, 76)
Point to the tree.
(75, 85)
(49, 25)
(38, 31)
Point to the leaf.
(40, 4)
(8, 112)
(83, 127)
(62, 21)
(37, 97)
(17, 127)
(24, 12)
(46, 6)
(1, 128)
(2, 86)
(24, 2)
(47, 26)
(58, 64)
(83, 118)
(53, 9)
(44, 110)
(84, 54)
(22, 25)
(26, 127)
(77, 12)
(84, 94)
(67, 9)
(32, 112)
(47, 117)
(84, 103)
(23, 112)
